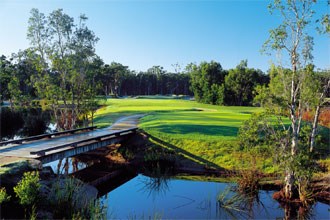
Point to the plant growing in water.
(248, 181)
(230, 202)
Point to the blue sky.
(141, 34)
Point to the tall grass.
(70, 199)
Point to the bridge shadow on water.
(106, 174)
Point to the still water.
(144, 198)
(20, 123)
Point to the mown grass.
(206, 131)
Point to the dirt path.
(126, 122)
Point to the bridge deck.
(28, 150)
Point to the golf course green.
(206, 131)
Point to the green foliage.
(206, 80)
(112, 77)
(212, 85)
(216, 94)
(66, 64)
(5, 71)
(250, 133)
(240, 83)
(27, 190)
(4, 197)
(261, 95)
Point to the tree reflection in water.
(158, 183)
(298, 211)
(23, 122)
(235, 204)
(69, 165)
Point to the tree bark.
(316, 118)
(314, 128)
(290, 189)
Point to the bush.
(27, 190)
(3, 195)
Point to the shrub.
(27, 189)
(3, 195)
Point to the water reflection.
(67, 166)
(298, 211)
(237, 204)
(23, 122)
(155, 185)
(159, 178)
(195, 200)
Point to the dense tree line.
(116, 79)
(213, 85)
(21, 81)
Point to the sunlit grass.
(207, 131)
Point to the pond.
(148, 198)
(20, 123)
(163, 196)
(66, 166)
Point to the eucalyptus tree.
(240, 83)
(6, 68)
(292, 40)
(159, 73)
(207, 81)
(65, 51)
(112, 76)
(22, 72)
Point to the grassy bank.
(204, 133)
(208, 132)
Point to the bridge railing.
(38, 137)
(75, 143)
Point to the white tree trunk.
(314, 128)
(316, 117)
(289, 184)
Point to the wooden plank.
(75, 144)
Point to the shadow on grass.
(192, 157)
(211, 130)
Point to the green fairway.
(178, 118)
(206, 131)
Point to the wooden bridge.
(51, 147)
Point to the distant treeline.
(208, 82)
(116, 79)
(62, 72)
